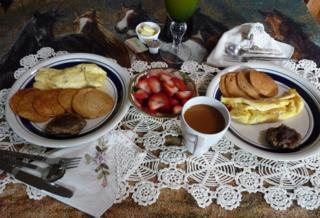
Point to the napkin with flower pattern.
(105, 163)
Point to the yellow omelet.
(79, 76)
(248, 111)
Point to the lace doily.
(220, 176)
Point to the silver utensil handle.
(35, 181)
(42, 185)
(14, 154)
(246, 59)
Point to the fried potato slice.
(17, 97)
(232, 86)
(244, 84)
(263, 83)
(47, 104)
(65, 98)
(222, 86)
(92, 103)
(26, 110)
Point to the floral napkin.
(105, 163)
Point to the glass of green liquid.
(179, 12)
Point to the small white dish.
(248, 137)
(117, 87)
(154, 46)
(144, 38)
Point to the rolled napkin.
(249, 37)
(104, 165)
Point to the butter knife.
(35, 181)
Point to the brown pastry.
(17, 97)
(26, 110)
(232, 86)
(283, 137)
(244, 84)
(92, 103)
(263, 83)
(65, 98)
(66, 124)
(47, 104)
(222, 86)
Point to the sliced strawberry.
(147, 110)
(137, 103)
(169, 90)
(165, 77)
(177, 109)
(179, 83)
(183, 101)
(174, 101)
(184, 94)
(157, 101)
(143, 84)
(154, 72)
(141, 94)
(154, 84)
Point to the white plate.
(117, 87)
(251, 137)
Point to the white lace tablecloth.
(220, 176)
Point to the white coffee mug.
(196, 142)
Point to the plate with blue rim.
(116, 87)
(252, 137)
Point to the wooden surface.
(171, 203)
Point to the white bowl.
(145, 39)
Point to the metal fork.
(56, 160)
(54, 170)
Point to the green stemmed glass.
(179, 11)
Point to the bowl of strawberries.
(161, 92)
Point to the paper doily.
(220, 176)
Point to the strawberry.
(137, 103)
(184, 94)
(143, 84)
(154, 84)
(169, 90)
(183, 101)
(157, 101)
(177, 109)
(164, 77)
(154, 72)
(179, 83)
(174, 101)
(141, 94)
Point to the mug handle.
(199, 140)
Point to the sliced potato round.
(232, 86)
(263, 83)
(245, 85)
(92, 103)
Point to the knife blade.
(35, 181)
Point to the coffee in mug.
(205, 120)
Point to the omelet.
(266, 110)
(79, 76)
